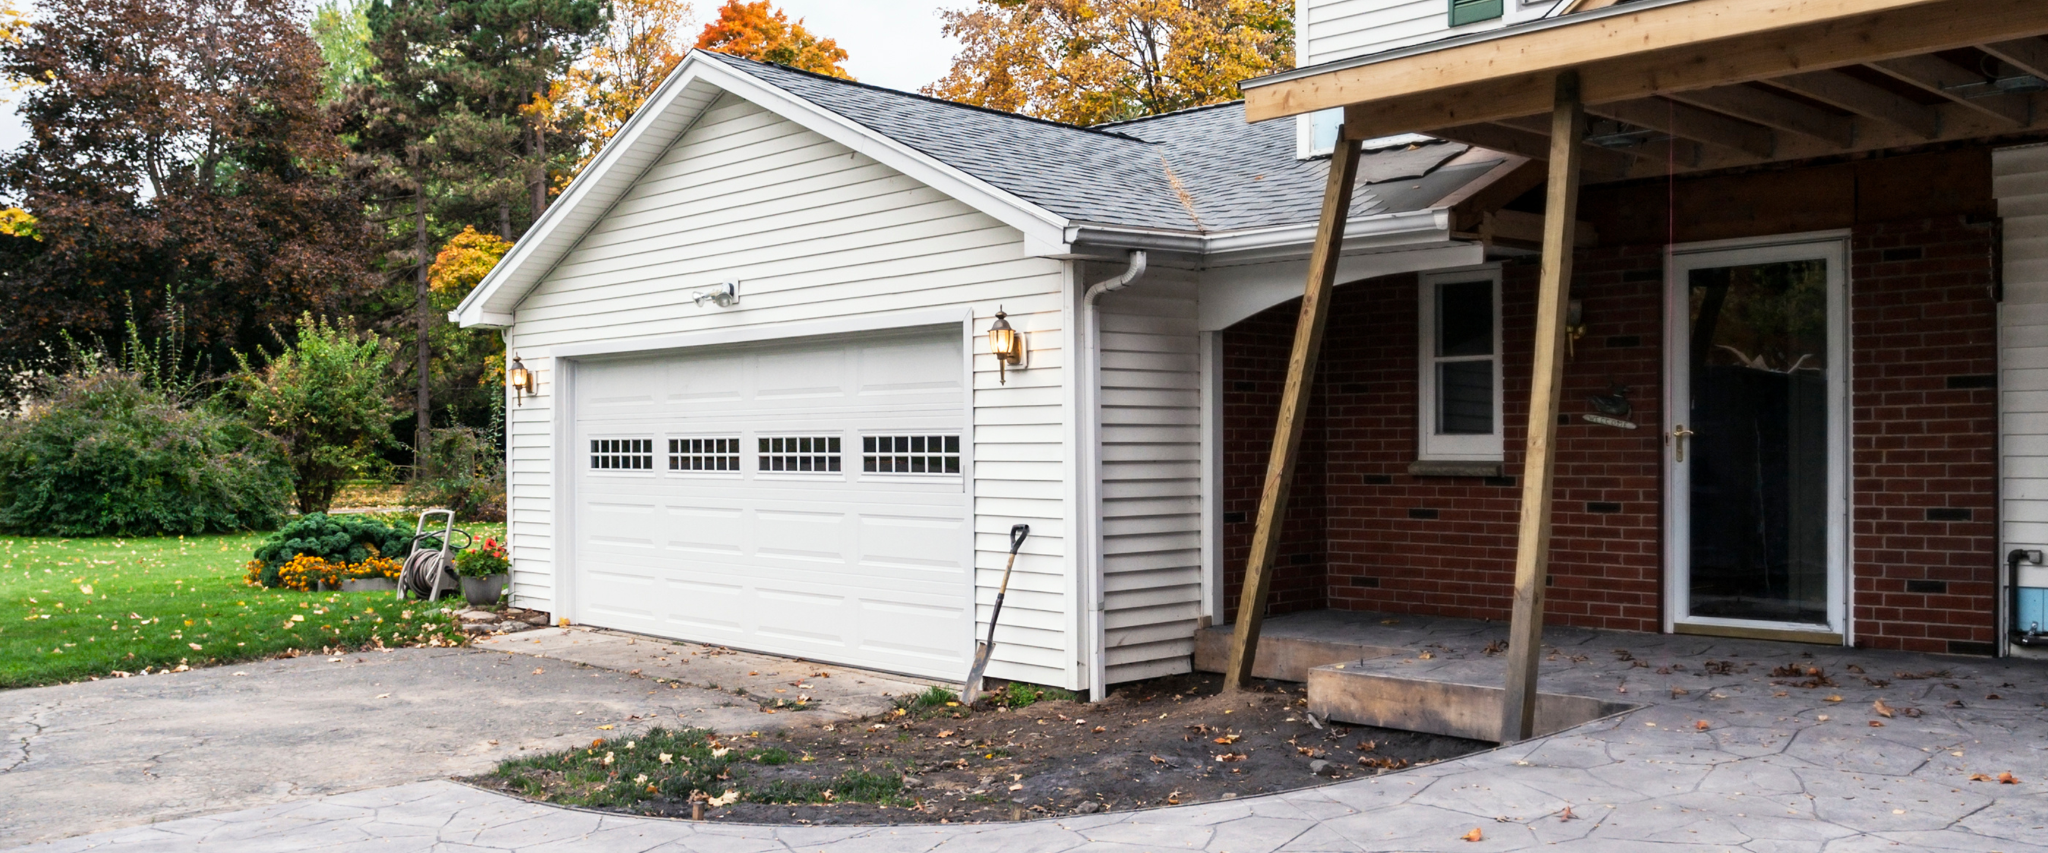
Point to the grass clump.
(1017, 694)
(679, 765)
(72, 609)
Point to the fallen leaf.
(1227, 739)
(1882, 709)
(383, 695)
(1566, 814)
(1702, 725)
(725, 799)
(946, 733)
(1877, 724)
(1231, 756)
(538, 670)
(2007, 778)
(1100, 730)
(1979, 777)
(1823, 718)
(1475, 835)
(605, 728)
(667, 758)
(1835, 698)
(1157, 760)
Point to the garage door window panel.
(705, 455)
(622, 454)
(799, 454)
(910, 455)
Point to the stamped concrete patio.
(1722, 757)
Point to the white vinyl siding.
(814, 231)
(1340, 29)
(2021, 183)
(1151, 423)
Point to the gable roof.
(1197, 173)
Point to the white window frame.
(740, 453)
(654, 457)
(857, 457)
(752, 459)
(1434, 446)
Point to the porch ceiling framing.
(1710, 84)
(1692, 85)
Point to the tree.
(1091, 61)
(763, 33)
(451, 128)
(327, 397)
(176, 155)
(469, 364)
(342, 30)
(638, 50)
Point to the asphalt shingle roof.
(1198, 170)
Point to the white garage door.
(804, 499)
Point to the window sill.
(1445, 468)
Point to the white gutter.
(1364, 232)
(1091, 481)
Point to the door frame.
(1833, 247)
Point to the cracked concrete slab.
(102, 754)
(1775, 768)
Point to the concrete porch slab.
(1348, 693)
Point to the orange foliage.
(761, 32)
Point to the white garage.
(801, 498)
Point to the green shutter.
(1472, 11)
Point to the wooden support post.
(1301, 372)
(1532, 548)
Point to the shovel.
(981, 650)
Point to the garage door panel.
(864, 568)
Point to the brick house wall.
(1366, 535)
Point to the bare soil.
(1168, 741)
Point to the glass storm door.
(1756, 439)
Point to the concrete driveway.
(102, 755)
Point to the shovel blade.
(972, 689)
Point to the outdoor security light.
(1006, 344)
(522, 381)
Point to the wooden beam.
(1633, 55)
(1532, 547)
(2028, 55)
(1848, 93)
(1772, 111)
(1301, 372)
(1688, 122)
(1942, 77)
(1468, 212)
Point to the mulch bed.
(1167, 741)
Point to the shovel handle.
(1017, 534)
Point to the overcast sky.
(894, 43)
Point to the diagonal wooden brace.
(1301, 371)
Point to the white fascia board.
(598, 188)
(1365, 233)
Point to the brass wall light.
(1007, 345)
(524, 383)
(1574, 327)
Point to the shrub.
(326, 396)
(106, 454)
(483, 560)
(346, 540)
(462, 470)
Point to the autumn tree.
(178, 157)
(1092, 61)
(451, 129)
(644, 42)
(761, 32)
(468, 366)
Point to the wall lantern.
(1006, 344)
(523, 382)
(1574, 327)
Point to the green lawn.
(72, 609)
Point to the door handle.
(1678, 436)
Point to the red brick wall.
(1923, 331)
(1369, 536)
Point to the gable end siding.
(813, 230)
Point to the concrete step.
(1351, 693)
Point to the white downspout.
(1091, 483)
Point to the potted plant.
(483, 572)
(376, 574)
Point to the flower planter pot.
(369, 585)
(483, 591)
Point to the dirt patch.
(1168, 741)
